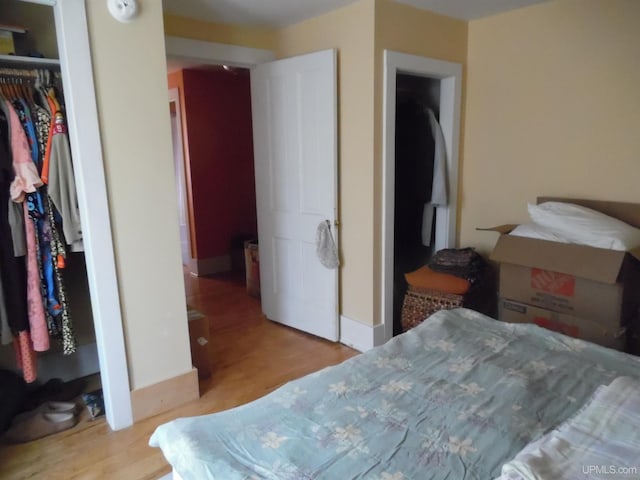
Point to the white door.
(294, 103)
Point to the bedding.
(454, 398)
(533, 230)
(584, 226)
(605, 433)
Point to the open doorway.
(187, 54)
(212, 136)
(213, 153)
(417, 98)
(415, 84)
(294, 122)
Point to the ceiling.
(277, 13)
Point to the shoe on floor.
(40, 425)
(55, 390)
(49, 407)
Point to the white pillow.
(585, 226)
(533, 230)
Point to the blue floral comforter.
(454, 398)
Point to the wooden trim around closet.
(164, 396)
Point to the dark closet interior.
(414, 152)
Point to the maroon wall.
(217, 118)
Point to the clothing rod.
(32, 62)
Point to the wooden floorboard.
(251, 356)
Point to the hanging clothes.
(7, 258)
(37, 319)
(26, 179)
(13, 267)
(439, 185)
(13, 272)
(38, 212)
(439, 182)
(57, 172)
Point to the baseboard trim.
(164, 396)
(360, 336)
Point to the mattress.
(454, 398)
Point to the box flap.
(503, 229)
(12, 28)
(596, 264)
(627, 212)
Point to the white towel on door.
(326, 246)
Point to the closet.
(414, 229)
(61, 276)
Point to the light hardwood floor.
(251, 357)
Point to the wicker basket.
(419, 304)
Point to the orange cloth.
(44, 175)
(426, 278)
(25, 356)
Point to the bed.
(454, 398)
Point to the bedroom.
(529, 73)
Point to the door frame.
(72, 36)
(185, 201)
(199, 52)
(210, 53)
(450, 76)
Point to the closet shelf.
(9, 60)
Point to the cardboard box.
(10, 39)
(7, 47)
(561, 292)
(252, 266)
(585, 283)
(199, 340)
(606, 332)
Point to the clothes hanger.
(52, 96)
(27, 92)
(7, 89)
(39, 90)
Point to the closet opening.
(417, 98)
(419, 92)
(46, 304)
